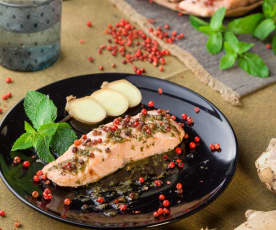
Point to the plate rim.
(222, 188)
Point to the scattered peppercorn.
(82, 41)
(101, 68)
(166, 203)
(90, 59)
(184, 116)
(178, 150)
(166, 211)
(197, 139)
(212, 147)
(192, 145)
(141, 180)
(36, 178)
(100, 199)
(35, 194)
(151, 104)
(2, 213)
(160, 91)
(171, 165)
(113, 65)
(268, 46)
(158, 183)
(26, 164)
(155, 214)
(89, 24)
(67, 201)
(77, 142)
(123, 207)
(144, 111)
(17, 224)
(160, 211)
(47, 194)
(217, 147)
(8, 80)
(196, 109)
(16, 160)
(161, 197)
(178, 186)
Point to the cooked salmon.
(110, 147)
(208, 7)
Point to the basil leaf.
(265, 28)
(39, 109)
(41, 145)
(25, 141)
(229, 49)
(244, 47)
(245, 25)
(205, 29)
(269, 8)
(232, 41)
(274, 44)
(253, 64)
(214, 43)
(217, 19)
(63, 138)
(227, 61)
(197, 22)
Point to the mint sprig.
(46, 135)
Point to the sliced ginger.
(114, 103)
(85, 109)
(130, 91)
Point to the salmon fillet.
(207, 8)
(110, 147)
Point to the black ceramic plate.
(205, 175)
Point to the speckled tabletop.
(254, 122)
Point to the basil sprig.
(221, 37)
(236, 50)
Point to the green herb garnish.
(45, 135)
(259, 25)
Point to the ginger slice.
(85, 109)
(114, 103)
(130, 91)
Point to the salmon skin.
(110, 147)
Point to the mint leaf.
(244, 47)
(274, 44)
(39, 109)
(269, 8)
(63, 138)
(25, 141)
(48, 129)
(245, 25)
(227, 61)
(253, 64)
(29, 128)
(265, 28)
(214, 43)
(217, 19)
(197, 22)
(41, 145)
